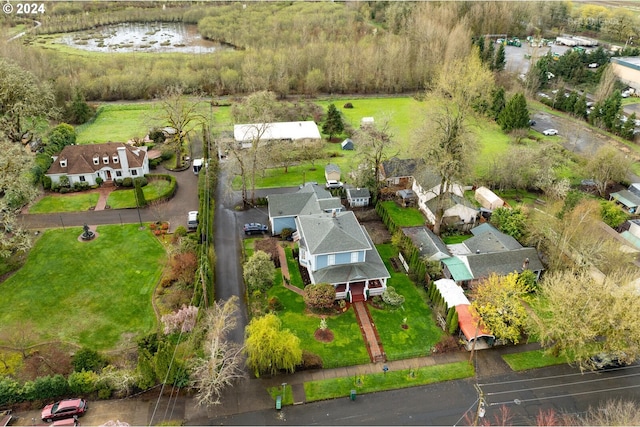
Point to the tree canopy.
(333, 124)
(269, 347)
(259, 272)
(515, 114)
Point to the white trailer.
(567, 41)
(584, 41)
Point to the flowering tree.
(183, 320)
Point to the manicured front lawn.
(422, 332)
(65, 203)
(122, 199)
(347, 348)
(531, 360)
(341, 387)
(404, 217)
(96, 293)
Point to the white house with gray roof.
(246, 134)
(336, 249)
(358, 197)
(308, 200)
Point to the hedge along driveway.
(95, 293)
(154, 190)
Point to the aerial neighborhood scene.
(344, 212)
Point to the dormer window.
(115, 159)
(96, 160)
(63, 163)
(105, 160)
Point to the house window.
(115, 159)
(354, 257)
(82, 178)
(118, 173)
(63, 163)
(134, 172)
(96, 160)
(105, 159)
(331, 259)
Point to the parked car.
(255, 228)
(334, 184)
(608, 361)
(550, 132)
(64, 409)
(532, 122)
(192, 220)
(593, 65)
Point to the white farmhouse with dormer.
(109, 161)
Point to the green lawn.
(369, 383)
(122, 199)
(96, 294)
(404, 217)
(422, 333)
(531, 360)
(65, 203)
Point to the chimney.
(525, 264)
(124, 163)
(477, 251)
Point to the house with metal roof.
(489, 251)
(246, 134)
(308, 200)
(628, 199)
(109, 161)
(336, 249)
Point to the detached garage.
(488, 199)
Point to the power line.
(582, 393)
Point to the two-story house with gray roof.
(489, 251)
(308, 200)
(108, 161)
(336, 249)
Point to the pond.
(142, 37)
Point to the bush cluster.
(391, 297)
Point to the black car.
(255, 228)
(607, 361)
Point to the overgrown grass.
(65, 203)
(531, 360)
(422, 333)
(392, 380)
(119, 123)
(122, 199)
(404, 217)
(63, 290)
(287, 399)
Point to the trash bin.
(278, 402)
(352, 395)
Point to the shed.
(347, 144)
(452, 293)
(488, 199)
(358, 197)
(407, 197)
(332, 172)
(367, 121)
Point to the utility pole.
(481, 405)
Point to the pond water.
(142, 37)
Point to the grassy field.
(369, 383)
(404, 217)
(65, 203)
(531, 360)
(63, 290)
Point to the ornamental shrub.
(88, 360)
(9, 391)
(127, 182)
(391, 297)
(82, 383)
(320, 297)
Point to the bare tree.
(606, 165)
(182, 115)
(372, 144)
(222, 363)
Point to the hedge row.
(171, 191)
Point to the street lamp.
(284, 389)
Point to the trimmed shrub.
(82, 383)
(46, 182)
(127, 182)
(320, 297)
(309, 361)
(141, 180)
(99, 181)
(48, 388)
(348, 105)
(391, 297)
(88, 360)
(9, 391)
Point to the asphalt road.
(563, 389)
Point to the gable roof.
(458, 269)
(427, 178)
(80, 158)
(449, 200)
(452, 293)
(358, 192)
(635, 188)
(332, 233)
(427, 242)
(308, 200)
(627, 198)
(372, 268)
(470, 325)
(331, 168)
(395, 167)
(503, 263)
(276, 131)
(347, 144)
(487, 238)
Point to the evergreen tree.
(497, 102)
(78, 111)
(580, 107)
(140, 199)
(515, 114)
(626, 131)
(333, 124)
(499, 60)
(611, 111)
